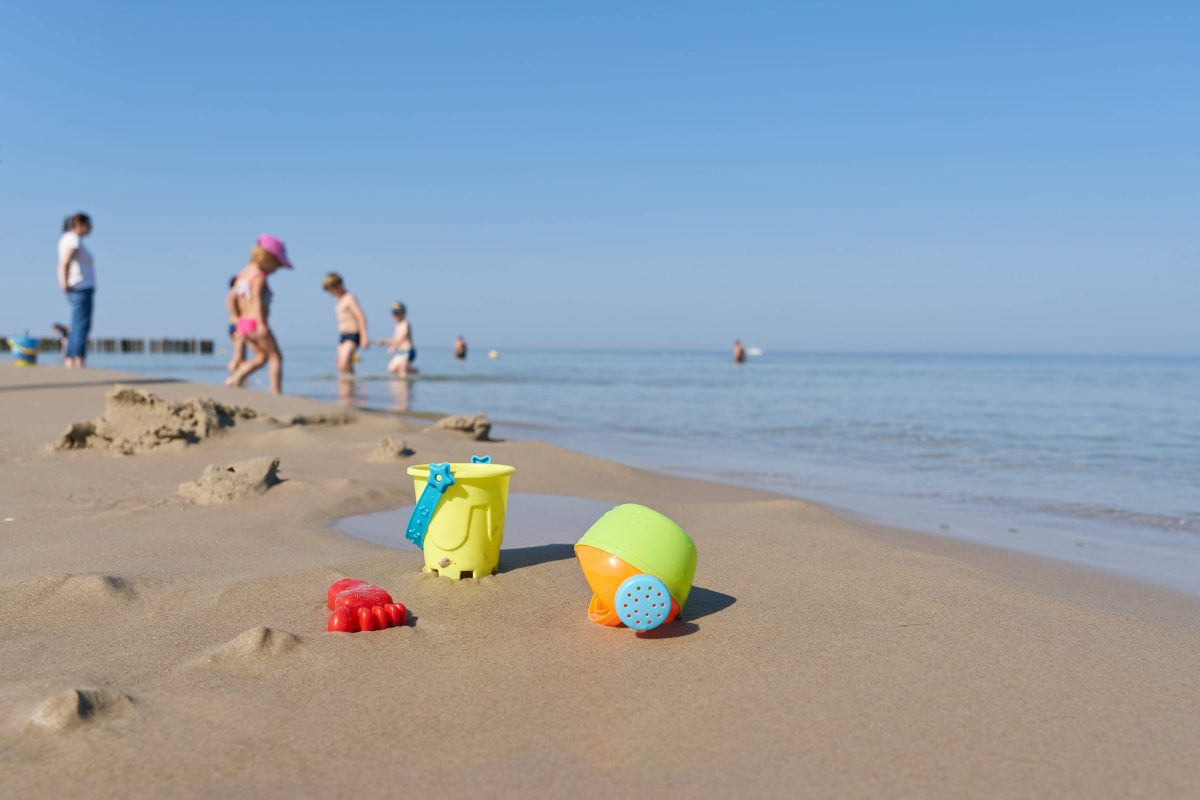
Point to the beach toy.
(339, 586)
(25, 349)
(459, 517)
(640, 566)
(359, 606)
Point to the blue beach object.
(440, 479)
(481, 459)
(25, 349)
(643, 602)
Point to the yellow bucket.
(466, 528)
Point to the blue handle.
(481, 459)
(440, 479)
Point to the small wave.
(1176, 523)
(512, 380)
(1140, 519)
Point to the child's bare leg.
(345, 357)
(276, 372)
(346, 392)
(239, 353)
(248, 367)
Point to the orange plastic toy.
(639, 564)
(605, 573)
(359, 606)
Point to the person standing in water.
(739, 352)
(77, 278)
(351, 322)
(401, 344)
(460, 348)
(249, 303)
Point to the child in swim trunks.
(401, 344)
(351, 322)
(249, 303)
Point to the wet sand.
(155, 645)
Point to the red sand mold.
(359, 606)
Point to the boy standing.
(351, 322)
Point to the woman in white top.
(77, 277)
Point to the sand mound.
(388, 450)
(253, 646)
(135, 421)
(73, 707)
(71, 590)
(477, 427)
(225, 484)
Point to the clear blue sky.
(1009, 176)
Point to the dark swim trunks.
(351, 337)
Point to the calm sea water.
(1096, 460)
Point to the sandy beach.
(158, 644)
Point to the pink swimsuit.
(247, 326)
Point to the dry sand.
(156, 647)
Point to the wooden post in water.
(53, 344)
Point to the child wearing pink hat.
(249, 303)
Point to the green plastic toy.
(640, 566)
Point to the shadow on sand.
(521, 557)
(701, 602)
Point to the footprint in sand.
(74, 601)
(74, 590)
(72, 708)
(254, 647)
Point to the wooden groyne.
(53, 344)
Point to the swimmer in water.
(401, 344)
(351, 322)
(460, 348)
(739, 352)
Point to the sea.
(1093, 460)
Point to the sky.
(1011, 177)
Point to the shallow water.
(545, 522)
(1093, 459)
